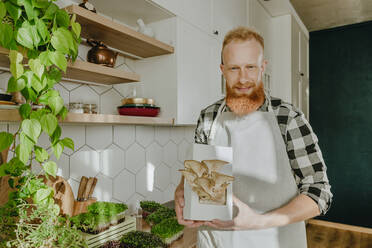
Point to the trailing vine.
(41, 39)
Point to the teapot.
(100, 54)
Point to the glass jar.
(76, 107)
(90, 108)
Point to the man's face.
(243, 66)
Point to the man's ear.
(222, 68)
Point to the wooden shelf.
(13, 116)
(86, 72)
(117, 35)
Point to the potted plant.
(48, 37)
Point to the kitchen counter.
(188, 239)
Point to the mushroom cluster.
(206, 181)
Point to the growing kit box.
(195, 207)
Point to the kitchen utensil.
(87, 188)
(137, 100)
(63, 194)
(92, 188)
(82, 206)
(139, 111)
(100, 54)
(82, 186)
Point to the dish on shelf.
(137, 100)
(2, 102)
(139, 111)
(5, 97)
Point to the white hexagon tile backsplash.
(131, 162)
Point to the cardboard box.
(194, 210)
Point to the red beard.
(242, 104)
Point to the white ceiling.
(323, 14)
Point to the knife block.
(82, 206)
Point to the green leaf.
(68, 143)
(15, 56)
(42, 195)
(33, 54)
(24, 148)
(62, 40)
(25, 110)
(11, 182)
(16, 70)
(76, 28)
(57, 149)
(41, 154)
(44, 58)
(36, 84)
(48, 123)
(15, 85)
(43, 99)
(6, 139)
(59, 60)
(37, 114)
(51, 10)
(13, 168)
(6, 35)
(63, 20)
(29, 9)
(32, 129)
(36, 67)
(14, 11)
(55, 74)
(30, 94)
(56, 135)
(50, 168)
(25, 37)
(56, 104)
(63, 113)
(2, 10)
(42, 29)
(40, 3)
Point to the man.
(280, 182)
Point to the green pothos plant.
(41, 38)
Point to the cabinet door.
(216, 81)
(304, 74)
(195, 12)
(261, 21)
(227, 15)
(295, 56)
(193, 69)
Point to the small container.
(76, 107)
(90, 108)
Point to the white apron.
(263, 179)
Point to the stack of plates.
(8, 105)
(139, 107)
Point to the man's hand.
(179, 202)
(245, 220)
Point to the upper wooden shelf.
(7, 115)
(86, 72)
(117, 35)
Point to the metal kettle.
(100, 54)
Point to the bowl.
(139, 111)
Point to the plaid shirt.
(303, 151)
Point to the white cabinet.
(290, 62)
(227, 15)
(195, 12)
(187, 81)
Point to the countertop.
(188, 239)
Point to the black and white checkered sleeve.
(307, 161)
(200, 135)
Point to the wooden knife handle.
(87, 188)
(92, 188)
(82, 186)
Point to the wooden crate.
(113, 233)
